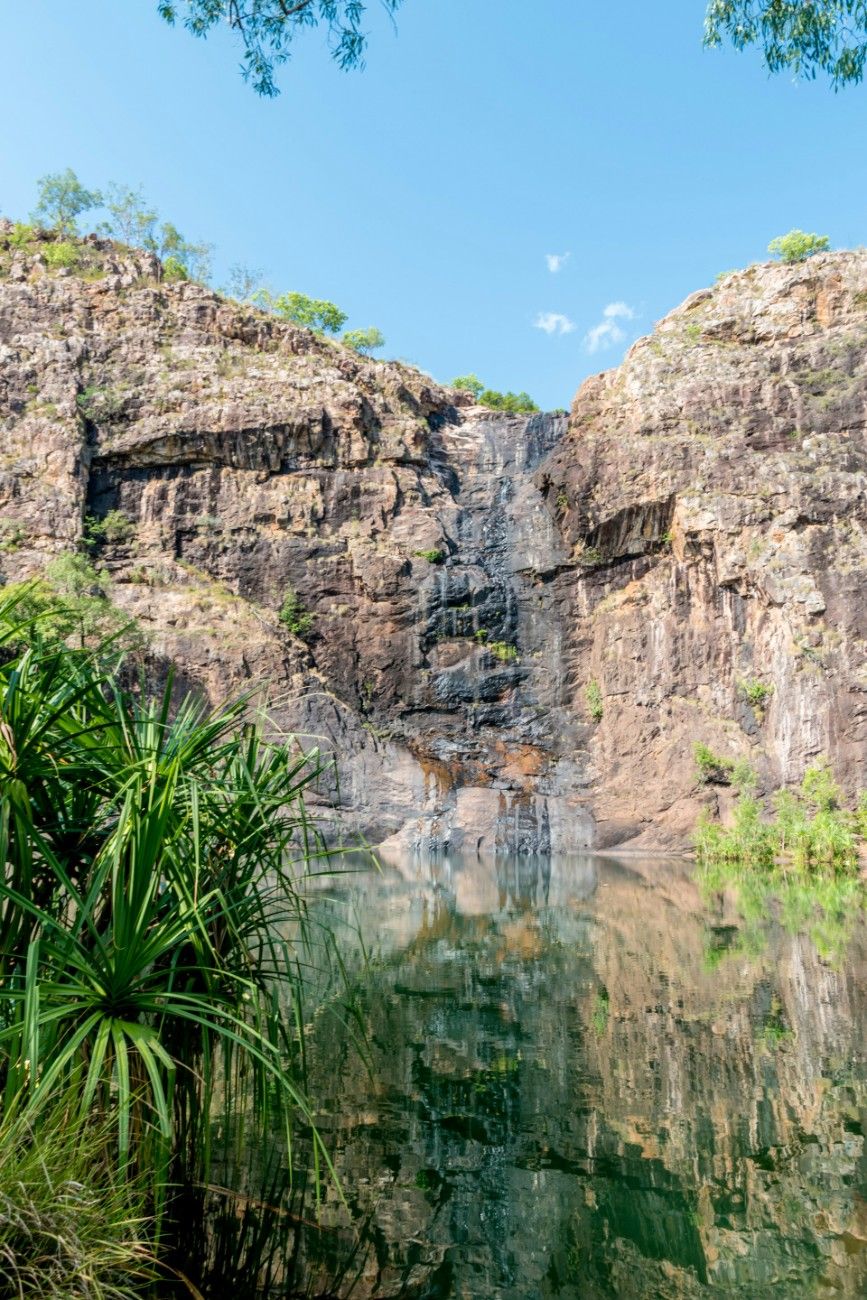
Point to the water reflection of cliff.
(571, 1095)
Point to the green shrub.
(593, 698)
(504, 651)
(433, 556)
(294, 616)
(104, 404)
(174, 270)
(113, 528)
(590, 557)
(22, 235)
(809, 828)
(481, 634)
(797, 246)
(510, 403)
(61, 254)
(756, 693)
(364, 341)
(748, 840)
(469, 384)
(12, 536)
(317, 314)
(861, 815)
(711, 768)
(601, 1012)
(70, 604)
(819, 789)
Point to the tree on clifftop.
(62, 198)
(267, 28)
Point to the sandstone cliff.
(520, 626)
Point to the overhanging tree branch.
(267, 28)
(805, 37)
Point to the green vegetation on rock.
(798, 246)
(70, 603)
(364, 341)
(593, 698)
(504, 651)
(511, 403)
(61, 199)
(315, 314)
(294, 616)
(135, 223)
(756, 693)
(601, 1012)
(710, 767)
(132, 221)
(809, 828)
(61, 254)
(114, 528)
(468, 384)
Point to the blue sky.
(424, 194)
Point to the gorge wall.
(521, 626)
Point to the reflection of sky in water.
(582, 1084)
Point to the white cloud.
(615, 309)
(554, 322)
(607, 333)
(556, 261)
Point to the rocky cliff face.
(520, 626)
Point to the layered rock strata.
(520, 626)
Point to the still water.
(587, 1078)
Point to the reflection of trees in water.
(702, 1137)
(828, 907)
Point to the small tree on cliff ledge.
(317, 314)
(61, 199)
(797, 246)
(469, 384)
(364, 341)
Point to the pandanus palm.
(151, 919)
